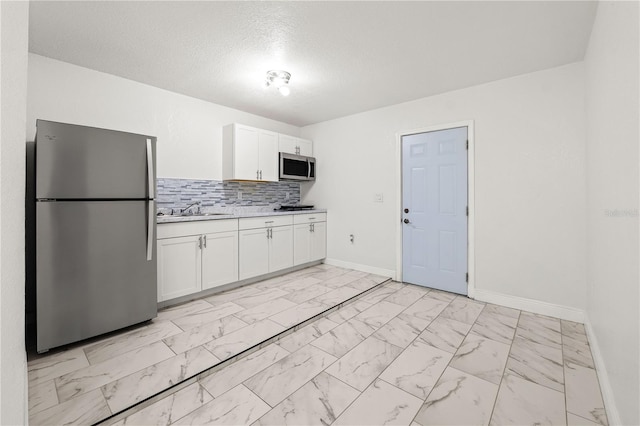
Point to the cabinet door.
(294, 145)
(268, 156)
(245, 152)
(301, 243)
(179, 267)
(306, 147)
(253, 253)
(318, 244)
(287, 144)
(281, 248)
(219, 259)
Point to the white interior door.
(434, 197)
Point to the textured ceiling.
(344, 57)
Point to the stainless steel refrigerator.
(95, 232)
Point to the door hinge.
(467, 146)
(467, 277)
(467, 210)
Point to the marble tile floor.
(90, 381)
(401, 355)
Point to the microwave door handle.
(308, 169)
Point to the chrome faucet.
(185, 212)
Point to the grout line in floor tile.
(260, 398)
(284, 399)
(183, 330)
(308, 381)
(495, 401)
(324, 314)
(354, 399)
(409, 345)
(564, 379)
(402, 350)
(143, 403)
(214, 399)
(196, 408)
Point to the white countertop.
(176, 218)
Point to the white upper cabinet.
(294, 145)
(245, 153)
(268, 156)
(249, 153)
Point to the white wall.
(529, 180)
(189, 130)
(612, 174)
(14, 23)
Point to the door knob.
(406, 210)
(406, 221)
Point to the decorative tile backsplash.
(213, 194)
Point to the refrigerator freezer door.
(93, 275)
(78, 162)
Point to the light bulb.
(284, 90)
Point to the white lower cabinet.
(205, 259)
(309, 238)
(266, 245)
(318, 244)
(201, 255)
(179, 267)
(281, 248)
(219, 259)
(254, 252)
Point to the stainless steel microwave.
(297, 167)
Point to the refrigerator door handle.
(150, 169)
(151, 219)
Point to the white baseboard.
(565, 313)
(364, 268)
(613, 415)
(531, 305)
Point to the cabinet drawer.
(182, 229)
(309, 218)
(265, 221)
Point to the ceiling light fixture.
(280, 80)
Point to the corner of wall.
(14, 24)
(613, 415)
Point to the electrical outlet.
(378, 198)
(287, 196)
(239, 195)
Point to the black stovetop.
(294, 207)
